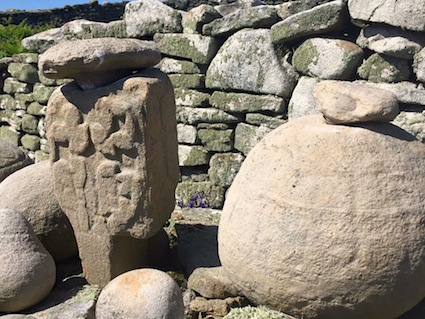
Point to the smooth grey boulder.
(390, 41)
(254, 17)
(247, 61)
(302, 101)
(27, 270)
(30, 192)
(12, 159)
(320, 19)
(399, 13)
(419, 65)
(381, 68)
(327, 58)
(147, 17)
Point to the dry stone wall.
(239, 70)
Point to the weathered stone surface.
(27, 270)
(27, 58)
(380, 68)
(11, 158)
(419, 65)
(192, 155)
(327, 58)
(40, 42)
(256, 312)
(196, 18)
(247, 61)
(399, 13)
(30, 191)
(412, 121)
(24, 97)
(286, 9)
(390, 41)
(321, 19)
(198, 48)
(217, 140)
(189, 115)
(243, 103)
(23, 72)
(229, 8)
(42, 93)
(406, 92)
(224, 167)
(308, 228)
(169, 66)
(194, 81)
(147, 17)
(141, 293)
(247, 136)
(36, 108)
(97, 62)
(7, 102)
(265, 120)
(11, 86)
(347, 102)
(186, 97)
(30, 142)
(186, 134)
(10, 135)
(212, 283)
(214, 194)
(29, 124)
(123, 146)
(254, 17)
(213, 307)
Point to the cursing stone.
(247, 61)
(347, 102)
(40, 207)
(115, 167)
(27, 270)
(320, 19)
(147, 17)
(327, 58)
(399, 13)
(141, 294)
(11, 159)
(390, 41)
(96, 62)
(328, 238)
(380, 68)
(419, 65)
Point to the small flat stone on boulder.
(347, 102)
(97, 62)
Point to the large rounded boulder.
(12, 158)
(327, 221)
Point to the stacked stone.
(242, 69)
(23, 101)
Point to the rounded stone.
(12, 158)
(30, 192)
(141, 294)
(27, 270)
(326, 221)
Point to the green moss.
(305, 55)
(87, 293)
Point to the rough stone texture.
(254, 17)
(224, 167)
(328, 238)
(23, 72)
(194, 81)
(212, 283)
(169, 66)
(214, 194)
(147, 17)
(42, 93)
(247, 136)
(212, 307)
(327, 58)
(30, 142)
(265, 120)
(198, 48)
(11, 159)
(192, 155)
(406, 92)
(189, 115)
(196, 18)
(30, 192)
(407, 14)
(12, 86)
(242, 102)
(186, 97)
(346, 102)
(10, 135)
(390, 41)
(216, 140)
(380, 68)
(40, 42)
(321, 19)
(115, 167)
(229, 8)
(302, 100)
(186, 134)
(141, 293)
(27, 270)
(247, 61)
(260, 312)
(412, 121)
(419, 65)
(97, 62)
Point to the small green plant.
(11, 36)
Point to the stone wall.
(239, 71)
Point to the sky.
(42, 4)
